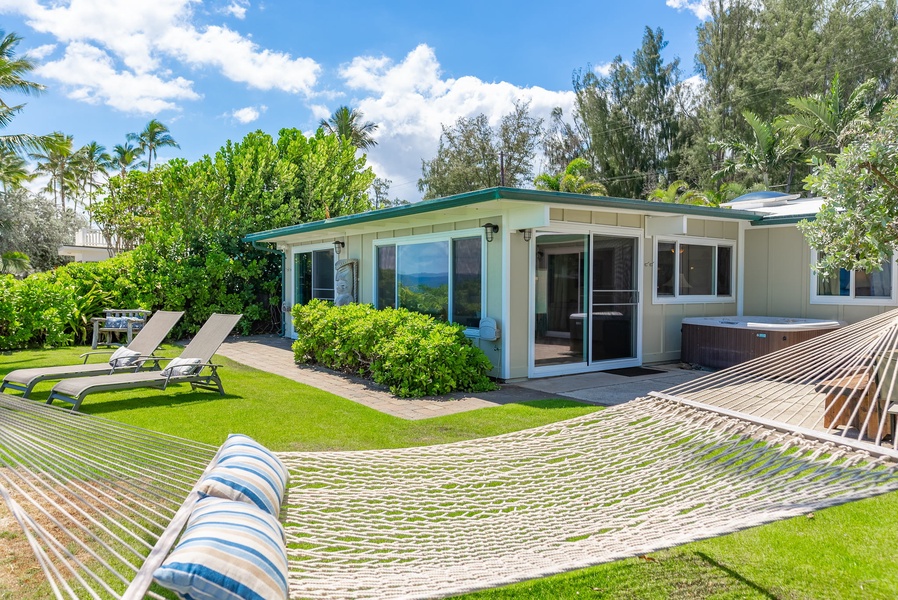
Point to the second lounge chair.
(142, 347)
(192, 367)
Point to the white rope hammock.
(844, 383)
(94, 496)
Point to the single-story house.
(574, 283)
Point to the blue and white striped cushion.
(229, 551)
(248, 472)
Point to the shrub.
(412, 353)
(54, 308)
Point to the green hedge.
(414, 354)
(54, 308)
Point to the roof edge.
(503, 193)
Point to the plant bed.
(413, 354)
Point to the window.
(313, 275)
(441, 278)
(854, 287)
(693, 271)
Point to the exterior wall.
(662, 322)
(361, 247)
(778, 278)
(507, 276)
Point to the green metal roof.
(785, 220)
(503, 193)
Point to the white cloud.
(603, 69)
(410, 100)
(320, 111)
(248, 114)
(40, 52)
(142, 35)
(698, 7)
(237, 9)
(240, 59)
(89, 74)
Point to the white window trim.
(815, 298)
(307, 249)
(438, 237)
(698, 241)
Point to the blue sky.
(214, 71)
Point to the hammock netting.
(782, 439)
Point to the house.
(89, 246)
(574, 283)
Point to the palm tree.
(93, 160)
(155, 135)
(347, 123)
(768, 149)
(827, 122)
(678, 192)
(13, 263)
(573, 180)
(124, 158)
(58, 161)
(13, 169)
(12, 79)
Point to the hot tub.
(720, 342)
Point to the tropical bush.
(54, 308)
(412, 353)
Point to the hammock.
(95, 497)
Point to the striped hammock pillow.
(248, 472)
(228, 551)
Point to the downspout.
(283, 283)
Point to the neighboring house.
(575, 283)
(90, 246)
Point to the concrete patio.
(274, 355)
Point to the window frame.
(310, 249)
(853, 300)
(677, 298)
(447, 236)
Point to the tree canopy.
(473, 154)
(858, 225)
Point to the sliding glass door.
(585, 301)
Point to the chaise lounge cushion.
(248, 472)
(123, 357)
(228, 551)
(182, 367)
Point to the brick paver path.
(273, 354)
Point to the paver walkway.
(274, 355)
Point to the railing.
(91, 238)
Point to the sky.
(215, 71)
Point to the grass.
(285, 415)
(843, 552)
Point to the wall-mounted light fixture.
(338, 247)
(490, 230)
(527, 233)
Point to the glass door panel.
(615, 298)
(561, 304)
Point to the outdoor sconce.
(490, 230)
(338, 247)
(527, 233)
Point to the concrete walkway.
(274, 355)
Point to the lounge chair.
(144, 344)
(192, 367)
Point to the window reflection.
(423, 278)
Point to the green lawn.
(844, 552)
